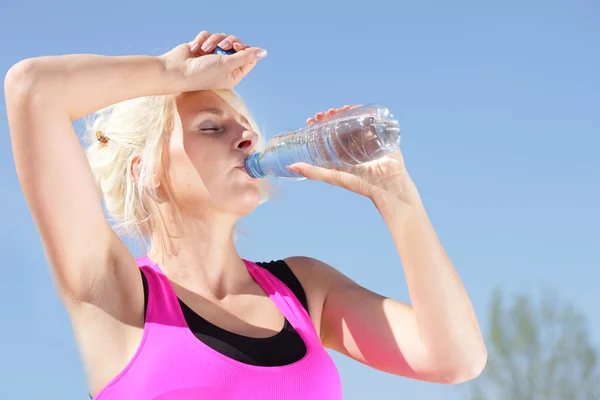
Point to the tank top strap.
(163, 306)
(284, 299)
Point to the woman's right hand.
(199, 69)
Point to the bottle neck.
(252, 166)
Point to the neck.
(201, 255)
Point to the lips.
(241, 167)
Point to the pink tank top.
(173, 364)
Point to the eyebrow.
(219, 112)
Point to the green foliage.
(537, 351)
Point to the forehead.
(194, 103)
(197, 101)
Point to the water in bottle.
(362, 134)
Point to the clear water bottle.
(362, 134)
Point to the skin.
(437, 338)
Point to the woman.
(192, 319)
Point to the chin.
(244, 202)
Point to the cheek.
(208, 157)
(182, 174)
(194, 169)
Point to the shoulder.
(280, 270)
(308, 271)
(319, 279)
(302, 267)
(303, 262)
(314, 272)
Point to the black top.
(285, 347)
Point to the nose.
(246, 141)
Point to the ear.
(151, 182)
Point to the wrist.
(173, 78)
(400, 185)
(396, 195)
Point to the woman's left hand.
(384, 176)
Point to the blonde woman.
(192, 319)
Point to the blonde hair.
(139, 128)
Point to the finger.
(258, 55)
(245, 59)
(339, 110)
(211, 43)
(323, 116)
(199, 40)
(332, 112)
(320, 116)
(228, 42)
(308, 171)
(238, 46)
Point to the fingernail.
(225, 43)
(261, 54)
(195, 47)
(206, 46)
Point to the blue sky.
(499, 106)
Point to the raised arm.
(44, 96)
(437, 338)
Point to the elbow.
(26, 80)
(20, 79)
(467, 370)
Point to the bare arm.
(437, 339)
(45, 94)
(447, 337)
(43, 97)
(95, 274)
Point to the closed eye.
(210, 127)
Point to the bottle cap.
(222, 52)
